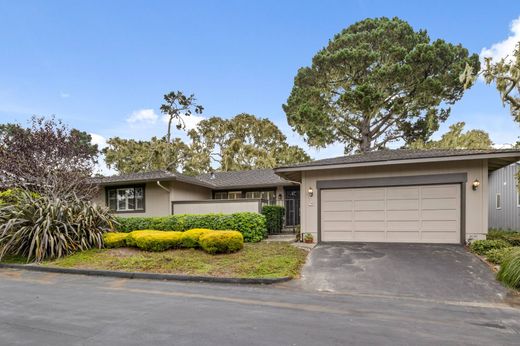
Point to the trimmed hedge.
(210, 241)
(251, 225)
(115, 239)
(497, 256)
(512, 237)
(481, 247)
(274, 216)
(221, 242)
(509, 272)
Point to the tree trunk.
(168, 135)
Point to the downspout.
(162, 186)
(169, 194)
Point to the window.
(498, 201)
(126, 199)
(221, 195)
(234, 194)
(267, 195)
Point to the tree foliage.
(455, 138)
(175, 105)
(376, 82)
(242, 142)
(47, 158)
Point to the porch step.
(289, 238)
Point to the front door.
(292, 206)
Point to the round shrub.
(115, 239)
(512, 237)
(150, 240)
(190, 238)
(497, 256)
(509, 272)
(481, 247)
(221, 242)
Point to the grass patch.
(255, 260)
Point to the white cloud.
(504, 48)
(147, 115)
(64, 95)
(190, 122)
(99, 140)
(101, 167)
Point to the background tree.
(455, 138)
(376, 82)
(175, 106)
(132, 156)
(242, 142)
(48, 158)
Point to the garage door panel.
(368, 236)
(369, 226)
(337, 236)
(402, 204)
(337, 215)
(398, 215)
(439, 191)
(337, 206)
(338, 226)
(403, 237)
(405, 226)
(427, 214)
(369, 215)
(408, 192)
(440, 203)
(439, 215)
(369, 205)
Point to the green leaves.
(376, 82)
(455, 139)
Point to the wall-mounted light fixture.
(310, 191)
(475, 184)
(280, 196)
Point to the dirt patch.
(123, 252)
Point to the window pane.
(235, 195)
(249, 194)
(139, 205)
(220, 195)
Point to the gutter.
(162, 186)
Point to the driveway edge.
(147, 276)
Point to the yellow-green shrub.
(221, 241)
(115, 239)
(190, 238)
(150, 240)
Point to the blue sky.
(103, 66)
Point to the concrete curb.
(146, 276)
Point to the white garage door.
(409, 214)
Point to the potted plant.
(308, 238)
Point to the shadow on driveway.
(428, 271)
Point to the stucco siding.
(216, 206)
(504, 182)
(187, 192)
(476, 205)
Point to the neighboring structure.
(419, 196)
(162, 193)
(504, 198)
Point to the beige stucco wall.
(220, 206)
(476, 201)
(186, 192)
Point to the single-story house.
(419, 196)
(504, 198)
(161, 193)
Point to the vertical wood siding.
(504, 181)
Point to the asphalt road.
(59, 309)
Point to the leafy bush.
(190, 238)
(12, 196)
(497, 256)
(512, 237)
(251, 225)
(481, 247)
(115, 239)
(274, 217)
(46, 228)
(155, 240)
(509, 272)
(221, 242)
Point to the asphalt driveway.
(426, 271)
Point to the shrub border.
(146, 276)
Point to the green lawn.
(255, 260)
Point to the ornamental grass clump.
(509, 272)
(41, 228)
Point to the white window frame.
(234, 194)
(126, 200)
(498, 201)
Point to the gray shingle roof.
(251, 178)
(398, 154)
(242, 179)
